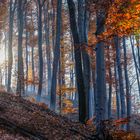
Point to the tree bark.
(56, 56)
(128, 95)
(101, 98)
(78, 63)
(82, 20)
(121, 85)
(40, 48)
(48, 49)
(20, 80)
(10, 42)
(110, 85)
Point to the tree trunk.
(10, 42)
(101, 98)
(26, 45)
(40, 49)
(121, 85)
(128, 96)
(56, 56)
(78, 63)
(116, 90)
(110, 85)
(20, 80)
(33, 64)
(82, 19)
(48, 49)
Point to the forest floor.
(21, 119)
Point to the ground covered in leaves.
(38, 122)
(21, 119)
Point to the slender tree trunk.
(40, 49)
(56, 56)
(128, 96)
(20, 80)
(93, 73)
(94, 89)
(116, 90)
(110, 85)
(121, 85)
(53, 24)
(10, 42)
(26, 45)
(78, 63)
(48, 49)
(33, 64)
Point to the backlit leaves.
(123, 19)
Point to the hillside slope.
(37, 122)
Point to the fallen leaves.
(38, 119)
(121, 121)
(42, 122)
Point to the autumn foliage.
(123, 19)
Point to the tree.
(83, 29)
(120, 76)
(78, 63)
(110, 81)
(10, 41)
(127, 83)
(40, 6)
(101, 99)
(48, 45)
(56, 56)
(20, 80)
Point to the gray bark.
(56, 56)
(20, 80)
(128, 95)
(120, 75)
(10, 42)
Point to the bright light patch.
(2, 56)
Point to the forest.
(69, 69)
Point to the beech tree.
(56, 56)
(20, 80)
(10, 40)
